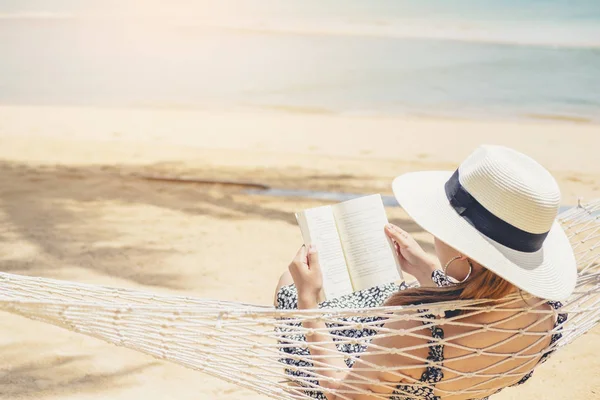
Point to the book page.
(318, 227)
(370, 254)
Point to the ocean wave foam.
(525, 33)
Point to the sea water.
(447, 58)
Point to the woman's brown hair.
(483, 285)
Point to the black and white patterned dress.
(287, 298)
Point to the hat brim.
(549, 273)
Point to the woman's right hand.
(413, 259)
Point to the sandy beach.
(74, 205)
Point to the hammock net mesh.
(251, 345)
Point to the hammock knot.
(222, 316)
(401, 317)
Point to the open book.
(354, 251)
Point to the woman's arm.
(306, 272)
(368, 384)
(325, 349)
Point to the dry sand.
(72, 208)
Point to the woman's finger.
(401, 257)
(397, 247)
(313, 258)
(401, 237)
(298, 264)
(301, 257)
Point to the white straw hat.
(499, 209)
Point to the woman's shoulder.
(516, 315)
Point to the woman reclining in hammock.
(493, 221)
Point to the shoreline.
(275, 110)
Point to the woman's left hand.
(307, 275)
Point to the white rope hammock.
(244, 344)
